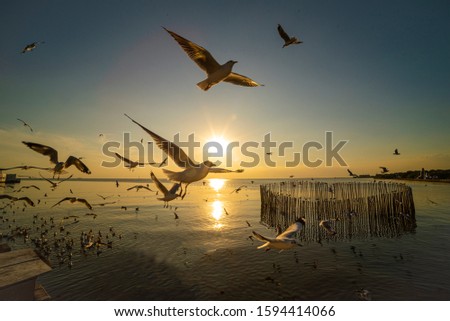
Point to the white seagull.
(214, 71)
(287, 40)
(53, 154)
(169, 195)
(285, 240)
(193, 171)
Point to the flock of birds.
(384, 169)
(192, 170)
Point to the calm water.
(206, 254)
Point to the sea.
(131, 247)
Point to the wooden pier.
(354, 209)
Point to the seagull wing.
(63, 200)
(72, 160)
(26, 199)
(261, 238)
(198, 54)
(173, 151)
(241, 80)
(350, 172)
(65, 179)
(53, 184)
(158, 184)
(8, 197)
(44, 150)
(174, 188)
(283, 33)
(291, 231)
(126, 160)
(82, 200)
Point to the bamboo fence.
(354, 209)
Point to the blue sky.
(376, 74)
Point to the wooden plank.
(20, 265)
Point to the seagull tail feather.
(204, 85)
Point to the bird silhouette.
(287, 40)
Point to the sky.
(374, 74)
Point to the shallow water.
(207, 255)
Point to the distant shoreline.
(435, 180)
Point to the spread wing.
(126, 160)
(158, 184)
(260, 237)
(174, 188)
(198, 54)
(241, 80)
(63, 200)
(72, 160)
(283, 33)
(173, 151)
(7, 197)
(44, 150)
(291, 231)
(82, 200)
(26, 199)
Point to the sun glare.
(216, 183)
(218, 139)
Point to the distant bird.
(326, 224)
(237, 190)
(226, 212)
(287, 40)
(25, 124)
(73, 200)
(396, 152)
(26, 187)
(384, 169)
(117, 183)
(248, 224)
(31, 46)
(351, 173)
(168, 195)
(138, 187)
(193, 171)
(131, 164)
(104, 197)
(291, 176)
(269, 153)
(25, 167)
(285, 240)
(15, 199)
(214, 71)
(55, 184)
(53, 154)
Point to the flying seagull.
(326, 224)
(15, 199)
(169, 195)
(138, 187)
(131, 164)
(31, 46)
(214, 71)
(53, 154)
(25, 124)
(396, 152)
(287, 40)
(55, 184)
(384, 169)
(73, 200)
(285, 240)
(193, 171)
(26, 187)
(237, 190)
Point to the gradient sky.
(374, 73)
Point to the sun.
(220, 140)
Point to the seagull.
(193, 172)
(138, 187)
(55, 184)
(326, 224)
(237, 190)
(25, 167)
(131, 164)
(214, 71)
(164, 162)
(351, 173)
(73, 200)
(384, 169)
(285, 240)
(287, 40)
(26, 187)
(25, 124)
(15, 199)
(169, 195)
(104, 197)
(31, 46)
(396, 152)
(53, 154)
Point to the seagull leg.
(185, 191)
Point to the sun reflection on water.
(217, 213)
(216, 183)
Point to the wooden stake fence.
(355, 209)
